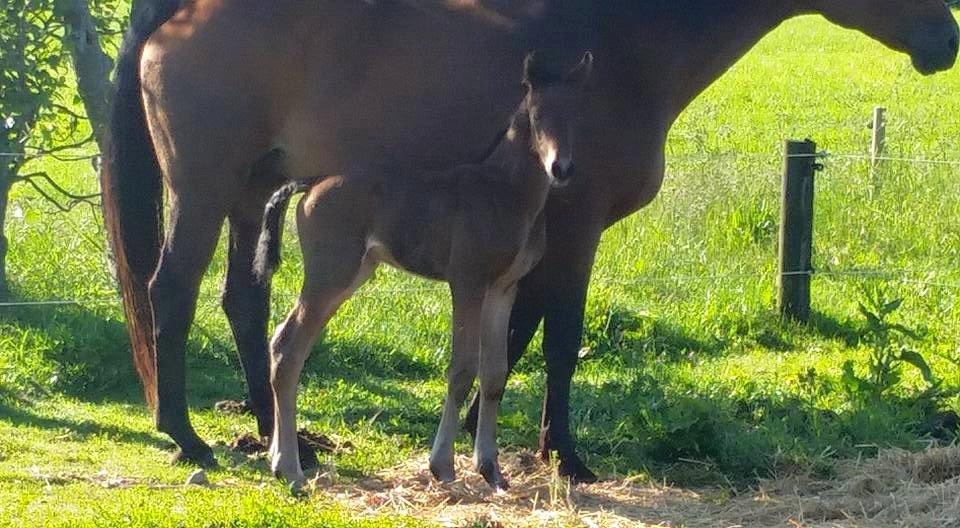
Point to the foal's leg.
(467, 310)
(189, 245)
(493, 378)
(525, 317)
(334, 248)
(290, 348)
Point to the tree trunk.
(7, 175)
(90, 62)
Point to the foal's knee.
(460, 379)
(493, 383)
(280, 353)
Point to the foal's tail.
(267, 259)
(133, 192)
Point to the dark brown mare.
(227, 87)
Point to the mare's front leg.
(467, 311)
(566, 268)
(493, 379)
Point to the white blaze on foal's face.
(553, 102)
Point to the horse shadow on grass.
(22, 414)
(90, 355)
(632, 423)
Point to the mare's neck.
(686, 45)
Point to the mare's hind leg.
(246, 301)
(493, 378)
(467, 310)
(246, 298)
(189, 245)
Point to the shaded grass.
(687, 374)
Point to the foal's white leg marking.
(493, 379)
(289, 350)
(467, 308)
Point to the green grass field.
(688, 374)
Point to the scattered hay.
(897, 488)
(537, 497)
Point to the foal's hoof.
(292, 477)
(200, 455)
(490, 471)
(443, 472)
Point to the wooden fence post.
(796, 229)
(877, 144)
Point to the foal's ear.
(536, 72)
(580, 73)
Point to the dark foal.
(480, 228)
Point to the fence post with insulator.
(796, 229)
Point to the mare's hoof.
(490, 471)
(577, 471)
(201, 456)
(443, 472)
(234, 407)
(572, 468)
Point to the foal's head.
(553, 104)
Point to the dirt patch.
(233, 407)
(248, 445)
(309, 441)
(322, 443)
(897, 488)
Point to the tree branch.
(74, 199)
(90, 62)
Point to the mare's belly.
(413, 98)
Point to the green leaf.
(891, 306)
(872, 320)
(905, 331)
(915, 359)
(849, 379)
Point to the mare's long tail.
(133, 191)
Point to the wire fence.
(903, 277)
(912, 277)
(824, 154)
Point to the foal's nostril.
(560, 171)
(556, 170)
